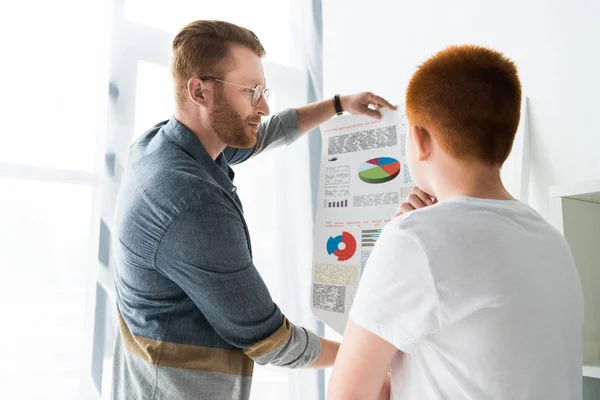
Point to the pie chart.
(379, 170)
(333, 246)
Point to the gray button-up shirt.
(194, 314)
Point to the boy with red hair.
(475, 296)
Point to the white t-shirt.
(483, 300)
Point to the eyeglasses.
(256, 91)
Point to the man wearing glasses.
(194, 314)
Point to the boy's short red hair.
(469, 98)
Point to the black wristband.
(337, 104)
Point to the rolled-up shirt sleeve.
(279, 130)
(205, 251)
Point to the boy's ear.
(423, 142)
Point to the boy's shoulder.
(455, 208)
(459, 232)
(465, 217)
(437, 215)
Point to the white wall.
(377, 45)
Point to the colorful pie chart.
(349, 248)
(379, 170)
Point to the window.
(268, 19)
(45, 250)
(154, 101)
(53, 81)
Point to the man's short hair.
(201, 47)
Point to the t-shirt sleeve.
(397, 299)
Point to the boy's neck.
(473, 180)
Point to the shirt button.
(233, 189)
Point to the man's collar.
(185, 138)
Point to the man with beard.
(194, 314)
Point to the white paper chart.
(363, 179)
